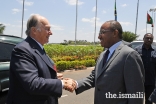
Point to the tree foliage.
(79, 42)
(2, 28)
(129, 36)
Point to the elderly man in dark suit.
(33, 78)
(118, 76)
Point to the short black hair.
(115, 25)
(147, 34)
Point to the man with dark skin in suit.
(148, 55)
(118, 71)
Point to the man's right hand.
(60, 76)
(69, 84)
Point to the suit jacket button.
(98, 89)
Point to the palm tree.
(2, 28)
(129, 36)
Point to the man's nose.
(50, 32)
(149, 39)
(99, 36)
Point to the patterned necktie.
(105, 57)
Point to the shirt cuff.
(62, 84)
(77, 85)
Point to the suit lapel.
(100, 64)
(114, 54)
(44, 57)
(39, 51)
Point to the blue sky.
(62, 16)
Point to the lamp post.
(22, 19)
(76, 21)
(153, 17)
(136, 18)
(95, 22)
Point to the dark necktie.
(54, 66)
(105, 57)
(46, 55)
(44, 51)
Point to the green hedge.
(64, 65)
(68, 50)
(73, 57)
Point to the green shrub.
(69, 57)
(64, 65)
(54, 50)
(129, 36)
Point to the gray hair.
(115, 25)
(33, 21)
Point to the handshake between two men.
(69, 84)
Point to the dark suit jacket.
(152, 98)
(33, 79)
(123, 73)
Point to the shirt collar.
(38, 43)
(113, 47)
(149, 48)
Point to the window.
(135, 44)
(10, 39)
(5, 51)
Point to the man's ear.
(33, 30)
(116, 32)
